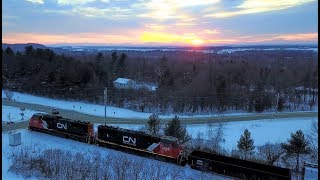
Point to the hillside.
(20, 47)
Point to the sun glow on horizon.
(197, 42)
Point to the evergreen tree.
(245, 144)
(18, 53)
(99, 57)
(9, 51)
(281, 104)
(176, 129)
(114, 57)
(28, 50)
(153, 124)
(194, 68)
(296, 146)
(121, 69)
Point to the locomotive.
(63, 127)
(163, 148)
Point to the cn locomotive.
(163, 148)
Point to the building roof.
(122, 80)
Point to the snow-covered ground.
(10, 113)
(97, 110)
(92, 109)
(35, 143)
(262, 131)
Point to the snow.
(40, 142)
(93, 109)
(262, 131)
(98, 110)
(122, 81)
(15, 114)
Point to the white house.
(124, 83)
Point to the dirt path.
(111, 120)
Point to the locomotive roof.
(168, 138)
(61, 118)
(127, 130)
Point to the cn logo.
(61, 126)
(129, 140)
(166, 148)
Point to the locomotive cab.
(169, 146)
(35, 121)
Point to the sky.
(160, 22)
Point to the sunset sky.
(160, 22)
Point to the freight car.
(236, 168)
(140, 143)
(67, 128)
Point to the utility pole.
(105, 105)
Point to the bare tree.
(8, 95)
(22, 113)
(313, 139)
(216, 135)
(199, 141)
(271, 152)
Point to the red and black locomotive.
(57, 125)
(162, 148)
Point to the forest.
(189, 82)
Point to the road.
(111, 120)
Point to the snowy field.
(10, 113)
(92, 109)
(262, 131)
(97, 110)
(40, 142)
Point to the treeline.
(188, 82)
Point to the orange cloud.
(140, 37)
(67, 38)
(298, 37)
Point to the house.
(124, 83)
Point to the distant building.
(124, 83)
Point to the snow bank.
(40, 142)
(15, 114)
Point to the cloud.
(141, 37)
(68, 38)
(208, 31)
(168, 38)
(298, 37)
(169, 9)
(74, 2)
(155, 27)
(94, 12)
(36, 1)
(113, 12)
(258, 6)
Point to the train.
(164, 148)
